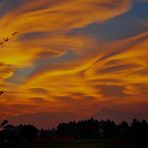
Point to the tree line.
(83, 129)
(99, 129)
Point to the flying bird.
(4, 40)
(14, 33)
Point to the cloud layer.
(54, 64)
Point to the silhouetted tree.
(4, 123)
(29, 132)
(136, 128)
(108, 129)
(144, 128)
(124, 129)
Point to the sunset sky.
(77, 56)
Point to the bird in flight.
(14, 33)
(5, 40)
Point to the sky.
(78, 56)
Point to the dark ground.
(82, 144)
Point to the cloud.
(61, 16)
(38, 90)
(138, 89)
(6, 71)
(38, 100)
(111, 91)
(46, 67)
(113, 79)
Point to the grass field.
(82, 144)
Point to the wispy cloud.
(54, 65)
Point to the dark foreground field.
(83, 144)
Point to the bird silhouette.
(5, 40)
(14, 33)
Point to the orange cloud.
(62, 71)
(46, 15)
